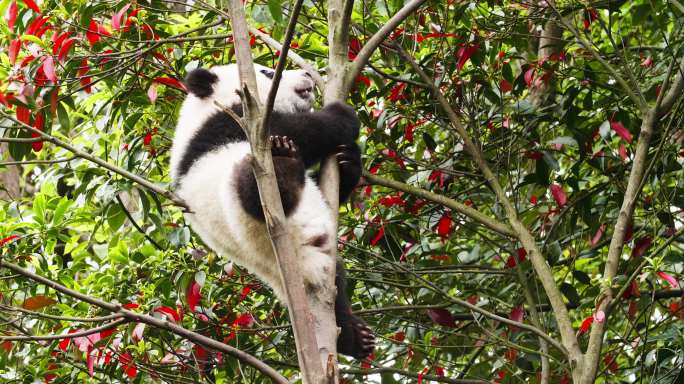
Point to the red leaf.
(8, 239)
(464, 54)
(397, 92)
(64, 343)
(64, 50)
(517, 314)
(168, 81)
(193, 295)
(83, 79)
(505, 85)
(621, 130)
(421, 374)
(647, 62)
(610, 362)
(598, 235)
(363, 79)
(622, 151)
(586, 324)
(116, 18)
(58, 40)
(37, 302)
(6, 346)
(244, 320)
(641, 245)
(245, 291)
(439, 371)
(36, 24)
(131, 306)
(533, 200)
(667, 277)
(12, 16)
(32, 5)
(442, 317)
(559, 195)
(90, 362)
(107, 332)
(399, 336)
(529, 76)
(586, 24)
(49, 69)
(131, 371)
(511, 262)
(23, 114)
(632, 309)
(378, 235)
(13, 50)
(354, 48)
(511, 354)
(444, 225)
(170, 312)
(92, 34)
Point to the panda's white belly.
(218, 217)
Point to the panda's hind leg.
(355, 339)
(290, 173)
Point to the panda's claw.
(283, 146)
(356, 340)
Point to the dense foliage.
(553, 122)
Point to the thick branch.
(131, 176)
(162, 324)
(442, 200)
(285, 250)
(617, 244)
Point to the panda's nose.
(304, 92)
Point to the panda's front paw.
(283, 146)
(349, 162)
(344, 116)
(356, 339)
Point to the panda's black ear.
(200, 82)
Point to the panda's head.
(221, 83)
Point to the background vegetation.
(569, 219)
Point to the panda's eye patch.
(268, 73)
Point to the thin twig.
(155, 322)
(442, 200)
(78, 153)
(87, 332)
(61, 318)
(374, 42)
(528, 241)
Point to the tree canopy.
(519, 219)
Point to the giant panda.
(211, 171)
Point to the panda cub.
(211, 170)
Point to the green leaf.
(62, 206)
(275, 7)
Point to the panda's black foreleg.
(349, 161)
(355, 339)
(289, 169)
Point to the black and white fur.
(210, 167)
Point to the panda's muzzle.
(304, 92)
